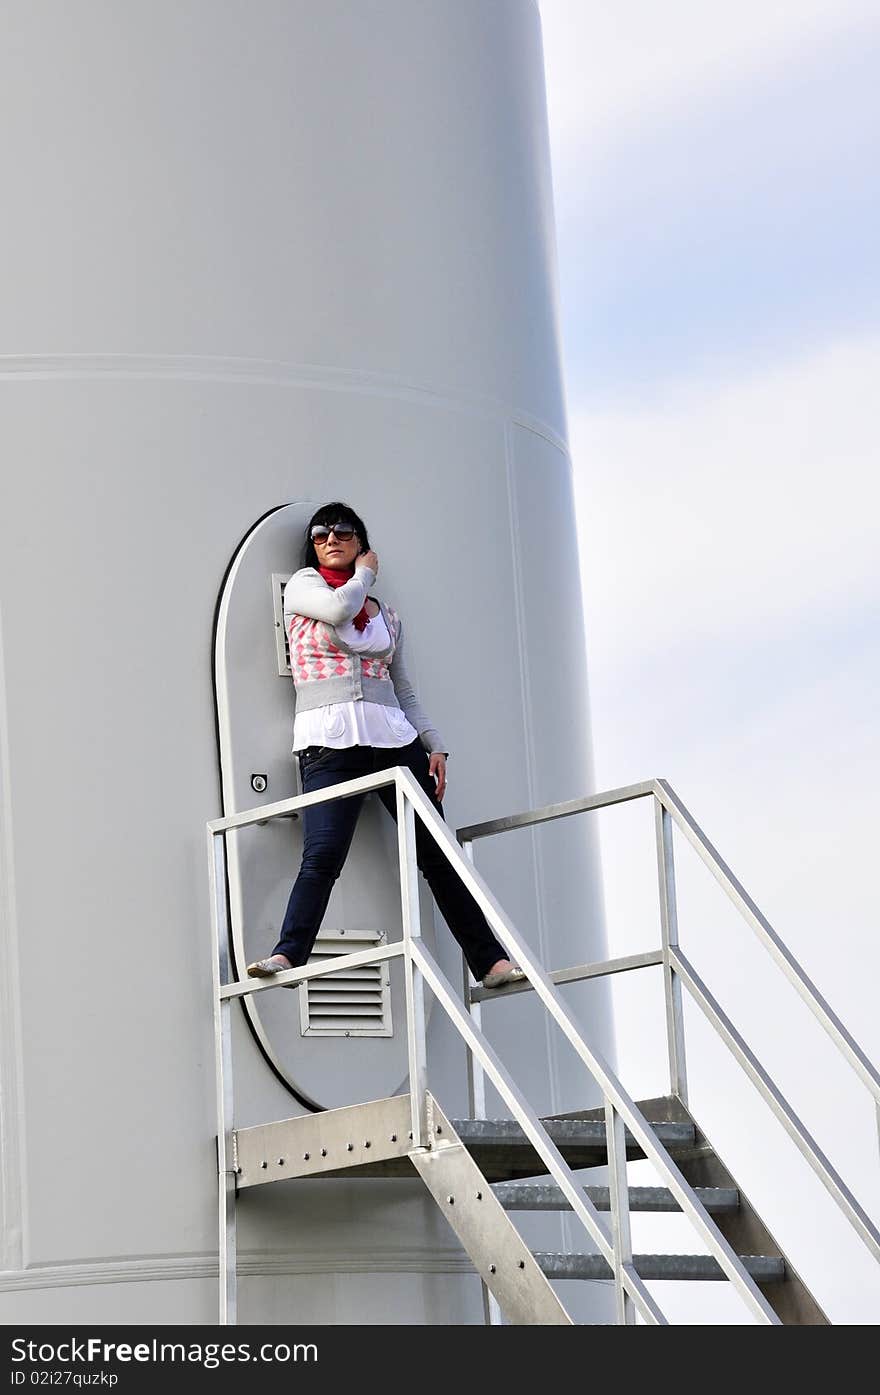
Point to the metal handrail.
(577, 974)
(678, 971)
(225, 992)
(548, 812)
(736, 893)
(760, 1078)
(616, 1099)
(418, 965)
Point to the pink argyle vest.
(318, 656)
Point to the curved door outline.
(254, 709)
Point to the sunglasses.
(344, 532)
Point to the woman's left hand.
(437, 768)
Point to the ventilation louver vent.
(282, 652)
(354, 1003)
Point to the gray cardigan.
(307, 593)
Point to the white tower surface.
(255, 254)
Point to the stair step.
(544, 1196)
(504, 1153)
(764, 1269)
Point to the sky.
(718, 217)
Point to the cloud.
(734, 508)
(729, 558)
(612, 64)
(723, 219)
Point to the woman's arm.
(430, 736)
(306, 593)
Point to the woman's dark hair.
(327, 515)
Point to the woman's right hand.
(368, 559)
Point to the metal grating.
(279, 581)
(354, 1003)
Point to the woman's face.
(337, 552)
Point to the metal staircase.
(481, 1171)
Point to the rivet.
(491, 1268)
(281, 1161)
(410, 1134)
(479, 1196)
(323, 1152)
(264, 1164)
(522, 1264)
(451, 1200)
(350, 1147)
(305, 1157)
(394, 1138)
(439, 1130)
(366, 1143)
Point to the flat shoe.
(513, 975)
(264, 968)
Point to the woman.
(356, 714)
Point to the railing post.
(477, 1096)
(415, 988)
(226, 1175)
(476, 1078)
(669, 933)
(620, 1226)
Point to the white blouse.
(341, 724)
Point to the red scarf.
(338, 576)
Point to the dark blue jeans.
(328, 831)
